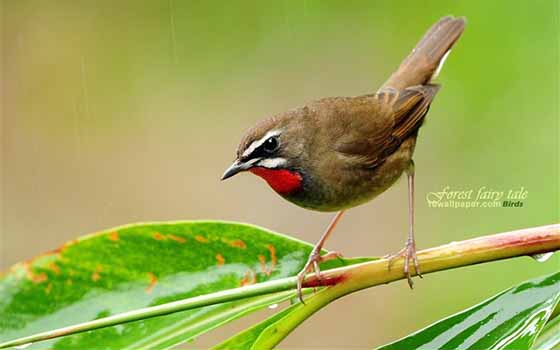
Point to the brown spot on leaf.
(38, 278)
(220, 259)
(249, 278)
(51, 253)
(238, 244)
(262, 261)
(96, 275)
(54, 267)
(267, 270)
(54, 253)
(177, 238)
(48, 289)
(114, 236)
(158, 236)
(153, 282)
(201, 239)
(273, 259)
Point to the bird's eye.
(271, 144)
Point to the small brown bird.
(339, 152)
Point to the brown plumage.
(339, 152)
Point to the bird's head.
(272, 150)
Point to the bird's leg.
(315, 257)
(409, 250)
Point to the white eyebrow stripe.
(272, 163)
(253, 146)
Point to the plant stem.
(474, 251)
(342, 281)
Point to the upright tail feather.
(425, 60)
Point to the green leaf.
(248, 338)
(549, 339)
(143, 265)
(510, 320)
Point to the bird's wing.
(373, 133)
(410, 107)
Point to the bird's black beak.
(235, 168)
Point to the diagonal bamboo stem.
(344, 280)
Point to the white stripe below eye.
(252, 161)
(272, 163)
(253, 146)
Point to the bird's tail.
(426, 59)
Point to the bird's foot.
(313, 264)
(408, 253)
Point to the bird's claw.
(313, 264)
(408, 253)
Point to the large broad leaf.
(143, 265)
(510, 320)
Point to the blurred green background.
(128, 111)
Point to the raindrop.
(23, 346)
(273, 306)
(542, 257)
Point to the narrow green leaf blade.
(248, 338)
(510, 320)
(549, 338)
(143, 265)
(189, 329)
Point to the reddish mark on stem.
(177, 238)
(238, 244)
(249, 278)
(114, 236)
(158, 236)
(96, 275)
(324, 281)
(220, 259)
(201, 239)
(153, 282)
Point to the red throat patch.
(281, 180)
